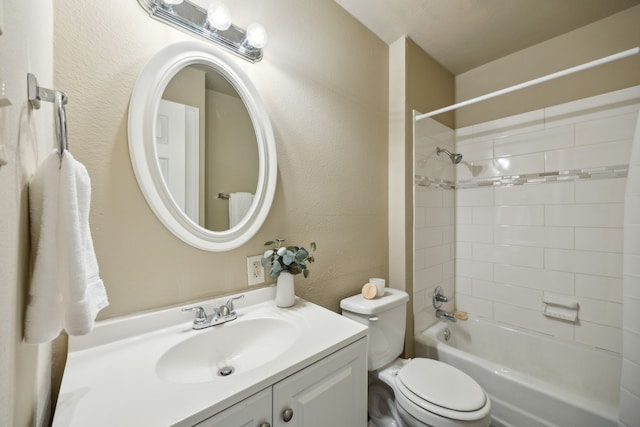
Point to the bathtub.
(532, 379)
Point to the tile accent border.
(425, 181)
(608, 172)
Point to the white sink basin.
(227, 350)
(154, 370)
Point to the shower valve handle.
(439, 297)
(442, 298)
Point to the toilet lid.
(441, 385)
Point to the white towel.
(66, 291)
(239, 204)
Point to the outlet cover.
(255, 270)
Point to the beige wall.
(232, 155)
(611, 35)
(398, 151)
(417, 82)
(429, 85)
(330, 121)
(25, 46)
(320, 80)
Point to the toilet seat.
(441, 389)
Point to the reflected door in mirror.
(177, 151)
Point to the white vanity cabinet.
(305, 359)
(330, 392)
(254, 411)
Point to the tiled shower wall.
(509, 245)
(555, 235)
(434, 218)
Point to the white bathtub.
(532, 379)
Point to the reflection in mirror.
(206, 147)
(216, 162)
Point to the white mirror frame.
(150, 86)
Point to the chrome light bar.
(191, 18)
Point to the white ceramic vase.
(285, 291)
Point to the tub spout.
(441, 314)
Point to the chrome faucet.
(438, 299)
(441, 314)
(223, 314)
(201, 320)
(228, 309)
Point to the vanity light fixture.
(212, 24)
(218, 16)
(256, 36)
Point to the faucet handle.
(230, 306)
(439, 297)
(201, 315)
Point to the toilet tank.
(385, 316)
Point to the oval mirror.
(202, 146)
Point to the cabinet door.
(331, 392)
(254, 411)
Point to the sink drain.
(225, 372)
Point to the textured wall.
(25, 46)
(320, 80)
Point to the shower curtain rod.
(533, 82)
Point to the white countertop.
(111, 379)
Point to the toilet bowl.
(428, 392)
(412, 392)
(382, 406)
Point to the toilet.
(415, 392)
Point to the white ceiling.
(464, 34)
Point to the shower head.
(455, 158)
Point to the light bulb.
(172, 2)
(256, 35)
(218, 15)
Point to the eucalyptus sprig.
(292, 259)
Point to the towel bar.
(36, 94)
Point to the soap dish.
(560, 308)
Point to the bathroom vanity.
(299, 366)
